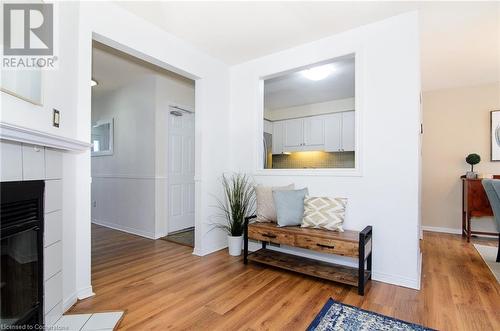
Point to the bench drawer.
(271, 235)
(326, 245)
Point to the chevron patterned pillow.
(324, 213)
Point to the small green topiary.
(472, 159)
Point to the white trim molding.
(129, 176)
(358, 53)
(441, 229)
(331, 172)
(85, 292)
(209, 250)
(69, 302)
(452, 231)
(127, 229)
(35, 137)
(72, 299)
(396, 280)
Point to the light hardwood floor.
(162, 286)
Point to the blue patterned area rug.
(338, 316)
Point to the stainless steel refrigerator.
(267, 150)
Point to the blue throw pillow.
(290, 206)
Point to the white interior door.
(181, 172)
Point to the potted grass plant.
(238, 203)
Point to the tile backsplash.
(315, 159)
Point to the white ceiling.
(293, 89)
(460, 41)
(113, 69)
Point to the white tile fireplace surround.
(20, 161)
(29, 162)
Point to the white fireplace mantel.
(35, 137)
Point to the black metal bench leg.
(245, 238)
(498, 253)
(361, 265)
(369, 265)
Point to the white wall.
(312, 109)
(123, 184)
(120, 29)
(386, 194)
(68, 90)
(133, 109)
(387, 189)
(456, 123)
(59, 90)
(58, 86)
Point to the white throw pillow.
(324, 213)
(266, 210)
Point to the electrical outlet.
(94, 203)
(55, 118)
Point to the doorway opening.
(143, 143)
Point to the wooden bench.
(352, 244)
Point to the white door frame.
(163, 230)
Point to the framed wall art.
(495, 135)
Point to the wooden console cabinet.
(352, 244)
(475, 203)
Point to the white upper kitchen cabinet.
(333, 132)
(314, 131)
(339, 132)
(348, 128)
(329, 133)
(294, 132)
(268, 127)
(277, 137)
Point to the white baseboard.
(85, 292)
(441, 229)
(160, 235)
(69, 302)
(127, 229)
(197, 252)
(396, 280)
(209, 250)
(251, 248)
(78, 295)
(453, 231)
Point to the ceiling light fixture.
(93, 83)
(318, 73)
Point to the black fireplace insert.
(21, 273)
